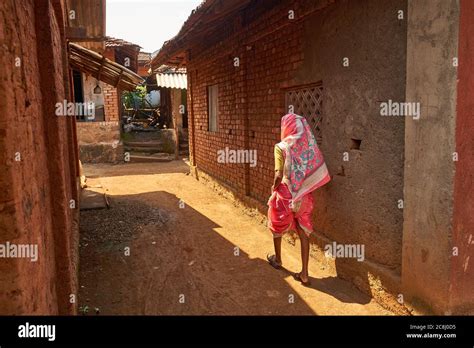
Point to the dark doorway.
(78, 91)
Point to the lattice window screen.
(308, 102)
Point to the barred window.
(213, 109)
(308, 102)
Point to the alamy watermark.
(76, 109)
(37, 331)
(21, 251)
(335, 250)
(393, 108)
(237, 156)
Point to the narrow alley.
(205, 256)
(215, 163)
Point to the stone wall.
(438, 219)
(99, 142)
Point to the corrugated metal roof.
(174, 80)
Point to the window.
(212, 105)
(308, 102)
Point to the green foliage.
(132, 98)
(84, 310)
(126, 136)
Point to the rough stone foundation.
(99, 142)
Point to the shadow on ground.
(178, 264)
(146, 255)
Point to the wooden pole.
(175, 123)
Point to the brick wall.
(275, 54)
(111, 103)
(38, 162)
(251, 98)
(110, 93)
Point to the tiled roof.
(113, 42)
(203, 17)
(144, 56)
(166, 69)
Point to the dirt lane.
(204, 258)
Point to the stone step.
(156, 144)
(137, 157)
(147, 150)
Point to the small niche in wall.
(355, 144)
(341, 171)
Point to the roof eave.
(96, 65)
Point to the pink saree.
(291, 202)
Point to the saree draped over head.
(304, 171)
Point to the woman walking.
(299, 170)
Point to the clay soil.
(171, 245)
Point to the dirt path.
(204, 258)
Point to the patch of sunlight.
(301, 293)
(132, 184)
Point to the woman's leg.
(277, 245)
(304, 218)
(304, 239)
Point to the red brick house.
(99, 138)
(336, 62)
(144, 59)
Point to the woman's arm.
(277, 179)
(279, 160)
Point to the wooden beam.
(102, 63)
(119, 79)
